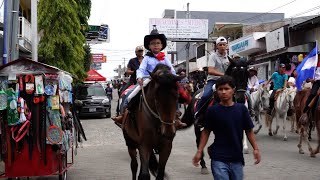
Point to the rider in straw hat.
(154, 43)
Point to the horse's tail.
(188, 116)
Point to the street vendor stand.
(38, 125)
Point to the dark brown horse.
(152, 124)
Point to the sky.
(128, 20)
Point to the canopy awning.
(93, 75)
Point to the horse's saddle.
(278, 92)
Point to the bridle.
(156, 115)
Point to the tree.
(62, 43)
(87, 57)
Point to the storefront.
(248, 45)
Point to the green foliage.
(62, 43)
(87, 57)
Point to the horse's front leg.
(269, 120)
(245, 144)
(300, 140)
(164, 154)
(316, 151)
(285, 138)
(275, 132)
(258, 118)
(204, 169)
(144, 153)
(134, 162)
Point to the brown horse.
(152, 124)
(305, 121)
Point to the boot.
(118, 119)
(178, 124)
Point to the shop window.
(201, 51)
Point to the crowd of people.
(227, 158)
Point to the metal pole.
(119, 71)
(124, 65)
(188, 45)
(6, 31)
(34, 29)
(15, 26)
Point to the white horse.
(260, 102)
(283, 103)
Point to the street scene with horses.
(140, 90)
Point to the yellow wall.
(25, 10)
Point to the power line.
(304, 12)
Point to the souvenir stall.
(39, 129)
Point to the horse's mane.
(162, 74)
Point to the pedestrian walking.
(227, 120)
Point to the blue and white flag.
(307, 68)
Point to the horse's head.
(238, 69)
(291, 94)
(163, 97)
(265, 96)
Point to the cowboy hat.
(252, 69)
(154, 34)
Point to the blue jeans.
(207, 93)
(125, 101)
(227, 171)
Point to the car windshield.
(87, 91)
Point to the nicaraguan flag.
(307, 68)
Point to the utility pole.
(14, 47)
(124, 65)
(6, 30)
(34, 29)
(188, 45)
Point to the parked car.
(92, 100)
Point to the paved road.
(104, 156)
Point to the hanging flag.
(307, 68)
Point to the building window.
(201, 51)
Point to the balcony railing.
(24, 29)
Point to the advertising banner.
(181, 29)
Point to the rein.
(152, 112)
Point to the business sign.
(98, 58)
(96, 66)
(98, 33)
(240, 46)
(277, 39)
(181, 29)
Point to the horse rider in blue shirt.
(280, 80)
(154, 43)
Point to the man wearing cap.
(280, 80)
(133, 65)
(217, 66)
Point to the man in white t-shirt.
(253, 81)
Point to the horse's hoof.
(312, 155)
(309, 138)
(204, 170)
(301, 151)
(270, 134)
(285, 139)
(275, 132)
(258, 130)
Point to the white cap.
(236, 55)
(221, 39)
(292, 80)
